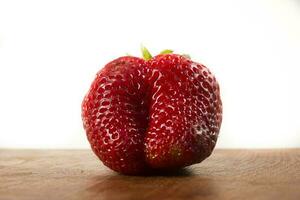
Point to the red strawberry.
(115, 114)
(164, 113)
(185, 112)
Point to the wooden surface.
(77, 174)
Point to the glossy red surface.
(162, 113)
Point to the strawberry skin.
(114, 114)
(185, 112)
(158, 114)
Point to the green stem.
(145, 52)
(166, 51)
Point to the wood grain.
(77, 174)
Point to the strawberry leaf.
(166, 51)
(145, 52)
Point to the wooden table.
(78, 174)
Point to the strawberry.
(115, 114)
(185, 112)
(163, 112)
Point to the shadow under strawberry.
(179, 184)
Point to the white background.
(51, 50)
